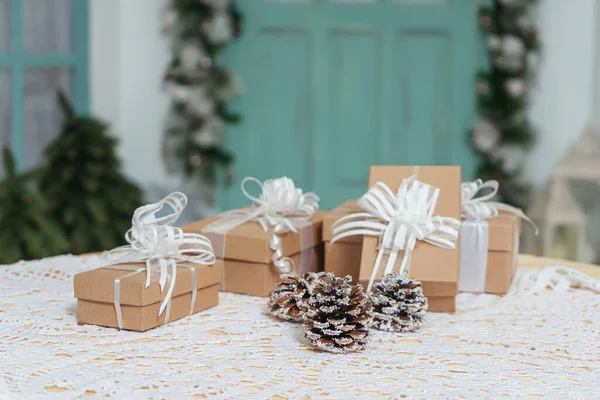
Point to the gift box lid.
(514, 217)
(250, 242)
(442, 177)
(98, 284)
(437, 268)
(502, 231)
(347, 207)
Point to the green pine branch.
(26, 231)
(84, 186)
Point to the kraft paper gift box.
(160, 276)
(490, 240)
(489, 250)
(343, 257)
(248, 266)
(139, 306)
(437, 268)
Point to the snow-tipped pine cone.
(338, 315)
(289, 299)
(399, 304)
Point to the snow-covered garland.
(200, 89)
(502, 135)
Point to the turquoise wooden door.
(336, 86)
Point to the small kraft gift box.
(489, 240)
(342, 257)
(280, 233)
(162, 275)
(410, 222)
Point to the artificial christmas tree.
(83, 185)
(338, 315)
(25, 232)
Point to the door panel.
(419, 129)
(275, 126)
(354, 58)
(336, 86)
(285, 121)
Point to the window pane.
(47, 26)
(43, 118)
(5, 114)
(5, 26)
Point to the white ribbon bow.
(155, 240)
(399, 221)
(279, 205)
(482, 207)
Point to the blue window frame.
(21, 63)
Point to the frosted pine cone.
(289, 299)
(398, 304)
(338, 315)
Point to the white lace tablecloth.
(521, 345)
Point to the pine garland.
(503, 134)
(199, 30)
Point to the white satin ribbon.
(516, 245)
(482, 207)
(279, 205)
(161, 245)
(399, 220)
(138, 270)
(475, 232)
(474, 242)
(557, 279)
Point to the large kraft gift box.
(95, 293)
(438, 269)
(342, 257)
(248, 260)
(492, 268)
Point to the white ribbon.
(557, 279)
(279, 205)
(482, 207)
(474, 241)
(475, 232)
(161, 245)
(399, 220)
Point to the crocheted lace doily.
(526, 344)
